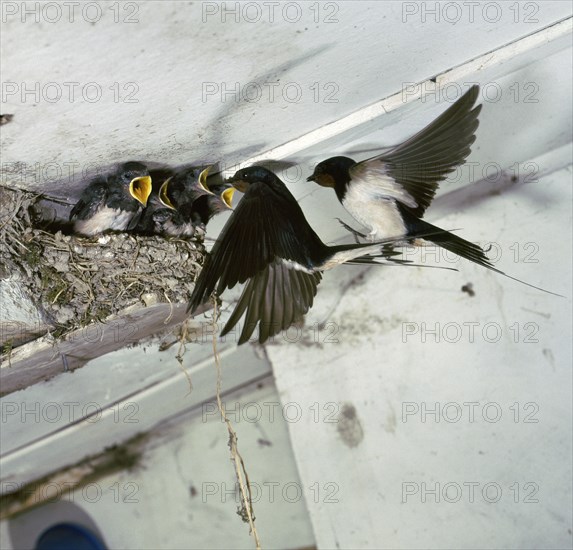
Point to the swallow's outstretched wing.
(411, 172)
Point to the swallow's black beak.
(238, 183)
(311, 178)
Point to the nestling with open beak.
(183, 203)
(113, 203)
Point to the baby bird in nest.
(114, 202)
(183, 203)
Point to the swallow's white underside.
(371, 200)
(374, 211)
(104, 219)
(373, 180)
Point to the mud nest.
(75, 281)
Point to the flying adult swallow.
(114, 202)
(183, 203)
(389, 193)
(268, 244)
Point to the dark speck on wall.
(5, 119)
(468, 288)
(349, 426)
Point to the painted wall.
(152, 76)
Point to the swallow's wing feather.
(91, 200)
(419, 164)
(274, 298)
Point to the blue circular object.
(69, 536)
